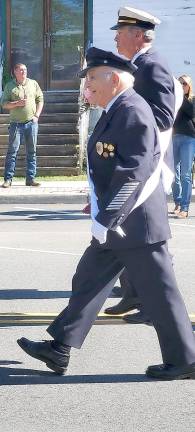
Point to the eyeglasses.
(184, 83)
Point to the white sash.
(162, 168)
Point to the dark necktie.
(103, 115)
(101, 119)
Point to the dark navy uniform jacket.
(123, 152)
(154, 82)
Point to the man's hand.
(14, 104)
(21, 103)
(99, 231)
(35, 119)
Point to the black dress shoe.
(44, 351)
(137, 318)
(117, 292)
(125, 305)
(170, 372)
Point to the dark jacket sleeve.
(135, 160)
(158, 91)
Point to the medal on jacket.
(105, 149)
(99, 147)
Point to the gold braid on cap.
(126, 19)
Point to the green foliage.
(6, 74)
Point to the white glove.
(99, 231)
(120, 231)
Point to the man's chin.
(119, 50)
(93, 101)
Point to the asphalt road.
(105, 389)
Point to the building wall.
(175, 36)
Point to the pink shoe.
(87, 209)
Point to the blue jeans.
(19, 132)
(184, 152)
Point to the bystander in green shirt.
(13, 91)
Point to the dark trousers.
(127, 286)
(150, 269)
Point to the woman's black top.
(184, 123)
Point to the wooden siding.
(175, 36)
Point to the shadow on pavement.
(16, 294)
(20, 376)
(47, 215)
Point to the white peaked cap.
(131, 16)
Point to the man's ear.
(115, 79)
(139, 34)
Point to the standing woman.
(184, 150)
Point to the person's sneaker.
(182, 214)
(44, 351)
(32, 182)
(6, 184)
(176, 209)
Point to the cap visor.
(118, 25)
(115, 27)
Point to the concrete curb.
(44, 199)
(49, 192)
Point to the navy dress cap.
(97, 57)
(135, 17)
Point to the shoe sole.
(179, 377)
(136, 306)
(58, 369)
(138, 322)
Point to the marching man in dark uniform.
(129, 227)
(135, 33)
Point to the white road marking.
(59, 214)
(39, 251)
(30, 208)
(181, 225)
(45, 232)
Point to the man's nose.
(87, 82)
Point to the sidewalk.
(65, 192)
(56, 192)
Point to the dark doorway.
(48, 36)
